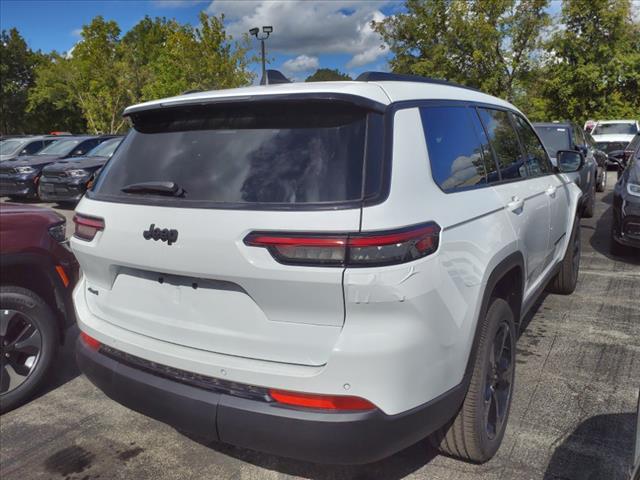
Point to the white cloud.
(302, 63)
(77, 32)
(310, 28)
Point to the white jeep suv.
(325, 271)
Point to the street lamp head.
(254, 31)
(267, 29)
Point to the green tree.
(141, 47)
(197, 59)
(490, 45)
(593, 66)
(17, 64)
(89, 78)
(327, 75)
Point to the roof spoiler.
(272, 77)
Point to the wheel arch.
(37, 273)
(505, 281)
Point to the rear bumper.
(310, 435)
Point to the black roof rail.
(272, 77)
(399, 77)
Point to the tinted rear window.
(290, 153)
(505, 144)
(554, 138)
(455, 148)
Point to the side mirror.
(569, 161)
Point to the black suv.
(625, 228)
(68, 179)
(592, 176)
(20, 177)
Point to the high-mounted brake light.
(87, 227)
(91, 342)
(324, 402)
(349, 249)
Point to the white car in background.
(613, 135)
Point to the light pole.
(266, 31)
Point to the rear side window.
(504, 142)
(285, 153)
(536, 157)
(456, 151)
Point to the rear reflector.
(324, 402)
(91, 342)
(349, 249)
(87, 227)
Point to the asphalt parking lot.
(573, 414)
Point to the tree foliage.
(593, 68)
(105, 71)
(327, 75)
(17, 63)
(489, 45)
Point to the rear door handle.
(551, 191)
(515, 204)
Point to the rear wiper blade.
(160, 188)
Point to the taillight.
(324, 402)
(91, 342)
(350, 249)
(87, 227)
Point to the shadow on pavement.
(395, 467)
(594, 450)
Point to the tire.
(469, 435)
(566, 280)
(614, 247)
(590, 206)
(17, 306)
(602, 184)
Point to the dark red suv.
(37, 275)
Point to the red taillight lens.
(87, 227)
(352, 249)
(324, 402)
(91, 342)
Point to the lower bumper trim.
(304, 434)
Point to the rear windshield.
(554, 138)
(288, 153)
(615, 128)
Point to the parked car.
(19, 178)
(67, 180)
(625, 228)
(13, 148)
(613, 135)
(592, 176)
(38, 274)
(622, 157)
(329, 272)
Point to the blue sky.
(307, 34)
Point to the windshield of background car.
(105, 149)
(554, 138)
(8, 147)
(615, 129)
(59, 147)
(266, 153)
